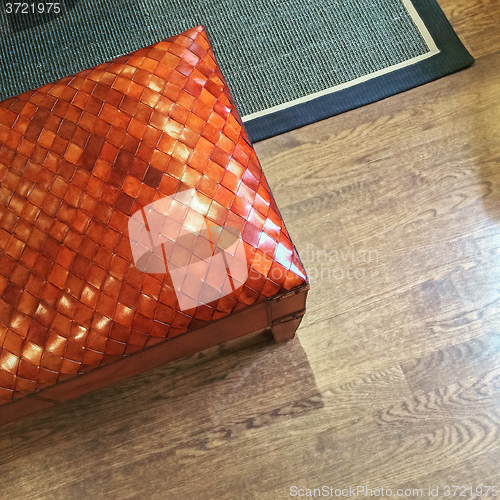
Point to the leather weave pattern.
(77, 159)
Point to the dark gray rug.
(277, 55)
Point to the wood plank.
(400, 445)
(476, 23)
(442, 367)
(6, 452)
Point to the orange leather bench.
(136, 226)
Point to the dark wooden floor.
(394, 379)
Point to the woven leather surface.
(78, 158)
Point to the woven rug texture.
(270, 51)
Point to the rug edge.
(452, 57)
